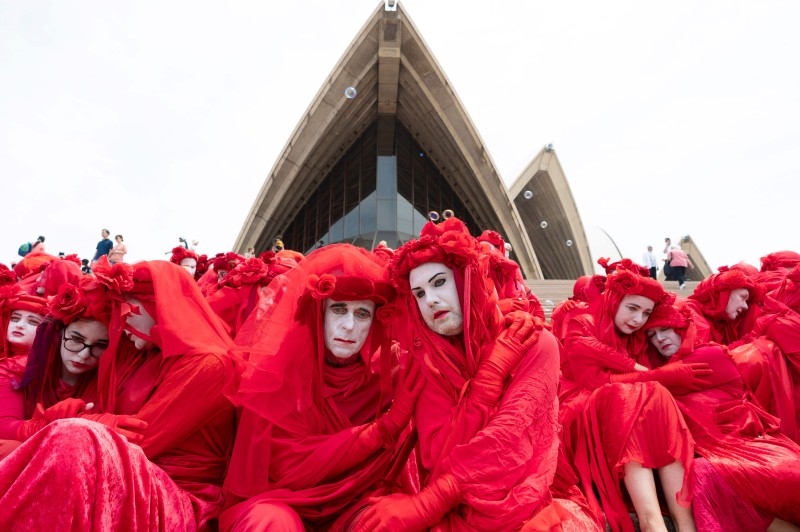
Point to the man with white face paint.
(320, 429)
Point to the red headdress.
(680, 319)
(620, 283)
(286, 379)
(494, 238)
(12, 298)
(712, 293)
(449, 243)
(226, 261)
(780, 260)
(623, 264)
(33, 263)
(179, 253)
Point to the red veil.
(298, 439)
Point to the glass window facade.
(367, 198)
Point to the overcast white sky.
(163, 119)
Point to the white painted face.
(141, 322)
(737, 303)
(665, 339)
(434, 288)
(82, 345)
(189, 264)
(347, 325)
(633, 312)
(22, 327)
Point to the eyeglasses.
(76, 345)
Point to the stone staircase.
(552, 291)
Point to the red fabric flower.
(249, 272)
(68, 304)
(117, 278)
(7, 277)
(321, 287)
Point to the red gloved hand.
(510, 304)
(63, 409)
(129, 426)
(680, 378)
(411, 383)
(509, 349)
(410, 512)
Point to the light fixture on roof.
(528, 194)
(350, 93)
(390, 5)
(548, 146)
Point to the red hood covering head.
(780, 260)
(12, 298)
(620, 283)
(449, 243)
(185, 325)
(86, 300)
(588, 288)
(625, 264)
(226, 261)
(712, 294)
(33, 263)
(53, 275)
(494, 238)
(285, 337)
(179, 253)
(668, 315)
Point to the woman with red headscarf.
(620, 421)
(750, 476)
(315, 437)
(488, 444)
(763, 334)
(167, 370)
(59, 376)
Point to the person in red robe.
(512, 292)
(160, 384)
(186, 259)
(315, 437)
(620, 421)
(240, 289)
(486, 417)
(763, 334)
(749, 477)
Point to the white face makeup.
(633, 312)
(22, 327)
(665, 339)
(737, 303)
(82, 345)
(141, 322)
(434, 289)
(347, 325)
(190, 265)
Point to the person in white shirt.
(649, 260)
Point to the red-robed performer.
(240, 289)
(43, 387)
(167, 370)
(315, 436)
(620, 420)
(488, 444)
(763, 335)
(750, 478)
(512, 292)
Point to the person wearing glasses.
(159, 462)
(57, 377)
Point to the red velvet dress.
(754, 467)
(606, 425)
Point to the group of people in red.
(410, 389)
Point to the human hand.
(131, 427)
(681, 379)
(66, 408)
(399, 414)
(410, 512)
(510, 304)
